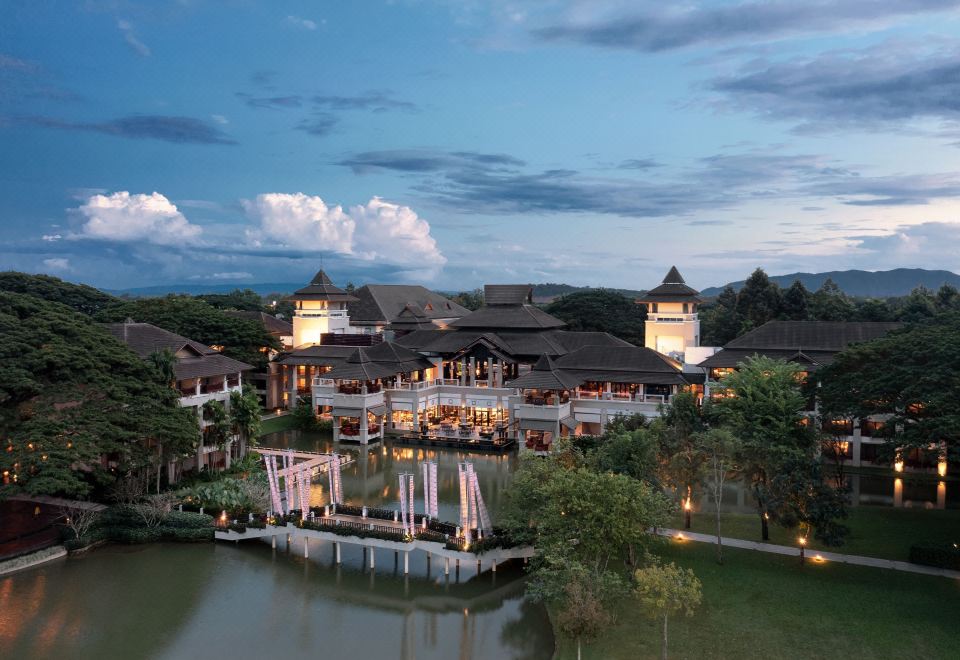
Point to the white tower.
(672, 322)
(321, 308)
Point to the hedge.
(345, 530)
(945, 555)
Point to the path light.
(803, 544)
(819, 558)
(223, 517)
(680, 536)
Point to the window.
(686, 307)
(653, 307)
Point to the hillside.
(862, 283)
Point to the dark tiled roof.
(202, 361)
(323, 355)
(322, 288)
(526, 346)
(806, 342)
(384, 360)
(410, 318)
(271, 323)
(545, 376)
(507, 294)
(620, 364)
(381, 303)
(673, 289)
(508, 317)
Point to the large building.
(672, 324)
(202, 374)
(506, 372)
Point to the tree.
(155, 508)
(239, 299)
(79, 519)
(805, 501)
(601, 310)
(919, 306)
(874, 310)
(77, 407)
(720, 448)
(472, 300)
(909, 375)
(585, 606)
(682, 464)
(633, 453)
(759, 300)
(79, 297)
(721, 321)
(948, 298)
(762, 405)
(664, 590)
(829, 303)
(796, 302)
(245, 416)
(218, 426)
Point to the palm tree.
(245, 415)
(164, 363)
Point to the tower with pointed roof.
(672, 322)
(320, 308)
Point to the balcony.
(322, 313)
(542, 411)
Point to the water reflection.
(920, 491)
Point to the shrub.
(188, 520)
(187, 534)
(945, 555)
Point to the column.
(292, 384)
(364, 439)
(463, 371)
(489, 363)
(473, 371)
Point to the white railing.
(322, 314)
(623, 396)
(322, 382)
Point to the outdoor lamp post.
(803, 544)
(687, 512)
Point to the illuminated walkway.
(812, 555)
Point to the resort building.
(672, 324)
(202, 374)
(812, 345)
(378, 305)
(504, 373)
(268, 383)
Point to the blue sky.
(457, 143)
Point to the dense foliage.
(79, 297)
(239, 299)
(71, 394)
(761, 299)
(200, 321)
(601, 310)
(911, 375)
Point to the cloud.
(638, 164)
(51, 238)
(898, 190)
(929, 244)
(670, 27)
(272, 102)
(373, 100)
(304, 23)
(179, 130)
(425, 160)
(882, 85)
(131, 39)
(220, 119)
(320, 124)
(11, 63)
(377, 231)
(137, 218)
(57, 263)
(238, 275)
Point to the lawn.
(768, 606)
(875, 531)
(275, 424)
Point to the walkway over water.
(486, 560)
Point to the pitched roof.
(383, 360)
(200, 360)
(520, 345)
(619, 364)
(672, 289)
(411, 317)
(271, 323)
(508, 294)
(381, 303)
(322, 288)
(509, 317)
(808, 342)
(324, 355)
(545, 375)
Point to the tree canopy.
(601, 310)
(70, 394)
(79, 297)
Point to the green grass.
(875, 531)
(275, 424)
(767, 606)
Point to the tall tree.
(920, 305)
(720, 448)
(721, 321)
(759, 300)
(664, 590)
(763, 407)
(829, 303)
(79, 297)
(218, 425)
(796, 302)
(682, 464)
(245, 416)
(239, 299)
(808, 503)
(948, 298)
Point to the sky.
(454, 144)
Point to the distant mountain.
(862, 283)
(197, 289)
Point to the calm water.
(249, 601)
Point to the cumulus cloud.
(883, 84)
(665, 26)
(57, 263)
(304, 23)
(377, 231)
(125, 218)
